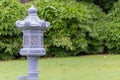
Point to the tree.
(106, 5)
(112, 23)
(10, 36)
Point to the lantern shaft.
(32, 68)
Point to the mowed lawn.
(96, 67)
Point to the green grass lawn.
(98, 67)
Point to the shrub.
(73, 28)
(10, 36)
(113, 26)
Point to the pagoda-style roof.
(32, 21)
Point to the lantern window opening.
(26, 40)
(35, 40)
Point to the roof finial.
(32, 10)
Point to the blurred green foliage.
(77, 28)
(10, 36)
(112, 25)
(73, 30)
(106, 5)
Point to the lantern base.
(32, 51)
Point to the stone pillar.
(32, 68)
(33, 28)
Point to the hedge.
(75, 27)
(10, 36)
(113, 29)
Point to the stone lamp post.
(32, 27)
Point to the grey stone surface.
(22, 77)
(33, 28)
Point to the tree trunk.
(24, 1)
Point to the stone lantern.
(32, 27)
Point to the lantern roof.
(32, 21)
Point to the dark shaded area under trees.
(106, 5)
